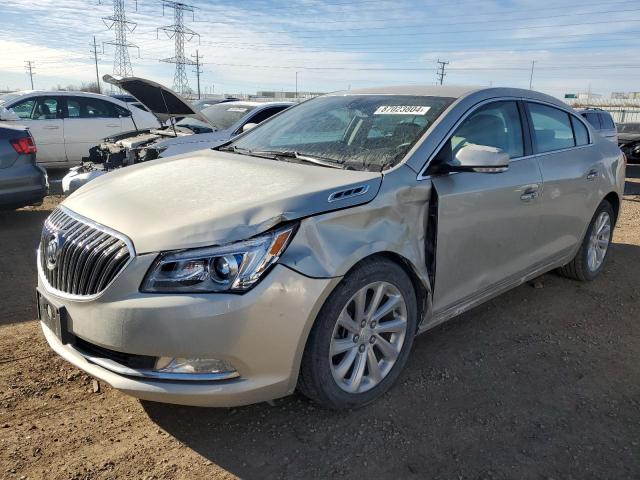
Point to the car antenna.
(173, 125)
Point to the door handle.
(529, 195)
(51, 127)
(592, 174)
(112, 125)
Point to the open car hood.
(160, 100)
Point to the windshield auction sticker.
(402, 110)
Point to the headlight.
(228, 268)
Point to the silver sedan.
(310, 251)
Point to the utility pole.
(30, 66)
(296, 86)
(178, 32)
(533, 63)
(198, 71)
(95, 57)
(441, 73)
(120, 25)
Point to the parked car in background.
(207, 102)
(22, 182)
(629, 140)
(129, 99)
(65, 125)
(208, 128)
(602, 121)
(310, 251)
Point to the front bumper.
(261, 333)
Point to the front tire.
(591, 256)
(361, 338)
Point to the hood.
(160, 100)
(212, 198)
(213, 138)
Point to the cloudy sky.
(250, 45)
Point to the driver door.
(487, 222)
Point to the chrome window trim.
(423, 176)
(98, 226)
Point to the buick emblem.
(54, 245)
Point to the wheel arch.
(421, 289)
(614, 200)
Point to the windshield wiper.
(298, 156)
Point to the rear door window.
(551, 128)
(84, 107)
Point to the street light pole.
(296, 86)
(533, 62)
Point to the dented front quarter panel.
(394, 222)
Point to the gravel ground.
(539, 383)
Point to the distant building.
(625, 95)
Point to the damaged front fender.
(329, 245)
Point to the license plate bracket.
(55, 318)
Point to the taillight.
(24, 145)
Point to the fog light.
(193, 365)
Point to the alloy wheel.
(368, 337)
(599, 241)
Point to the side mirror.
(8, 115)
(479, 158)
(249, 126)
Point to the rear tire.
(361, 338)
(593, 251)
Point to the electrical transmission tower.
(441, 73)
(121, 26)
(29, 64)
(179, 32)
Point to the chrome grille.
(80, 257)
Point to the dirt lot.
(539, 383)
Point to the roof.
(254, 104)
(62, 93)
(457, 91)
(454, 91)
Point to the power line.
(244, 18)
(421, 26)
(30, 66)
(441, 73)
(178, 32)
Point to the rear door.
(87, 122)
(571, 169)
(43, 116)
(487, 222)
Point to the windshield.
(224, 115)
(8, 97)
(629, 128)
(360, 132)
